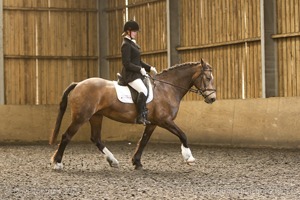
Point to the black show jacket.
(131, 60)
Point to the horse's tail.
(62, 109)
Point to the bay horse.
(93, 98)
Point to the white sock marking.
(110, 158)
(58, 166)
(187, 154)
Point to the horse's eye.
(208, 79)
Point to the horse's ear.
(202, 61)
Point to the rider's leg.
(141, 109)
(139, 86)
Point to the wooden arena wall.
(224, 33)
(288, 47)
(50, 43)
(227, 35)
(151, 15)
(47, 45)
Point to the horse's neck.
(180, 80)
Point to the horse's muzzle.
(210, 98)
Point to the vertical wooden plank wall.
(151, 16)
(116, 17)
(47, 45)
(56, 41)
(225, 33)
(288, 47)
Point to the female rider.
(134, 69)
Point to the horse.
(93, 98)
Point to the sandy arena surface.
(219, 173)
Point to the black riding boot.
(141, 109)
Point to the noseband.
(201, 92)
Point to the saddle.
(127, 94)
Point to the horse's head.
(205, 83)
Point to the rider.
(134, 69)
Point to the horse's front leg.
(185, 150)
(96, 126)
(136, 159)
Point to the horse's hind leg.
(65, 139)
(136, 159)
(96, 126)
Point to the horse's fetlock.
(136, 162)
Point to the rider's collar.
(131, 39)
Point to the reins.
(197, 91)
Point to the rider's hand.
(143, 72)
(153, 70)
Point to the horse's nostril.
(212, 99)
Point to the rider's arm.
(146, 66)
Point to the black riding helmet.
(131, 26)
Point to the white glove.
(143, 72)
(153, 70)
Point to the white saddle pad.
(124, 94)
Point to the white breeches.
(139, 86)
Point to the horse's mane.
(179, 66)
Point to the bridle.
(197, 91)
(201, 91)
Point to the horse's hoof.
(114, 165)
(191, 160)
(58, 166)
(138, 167)
(137, 164)
(112, 162)
(191, 163)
